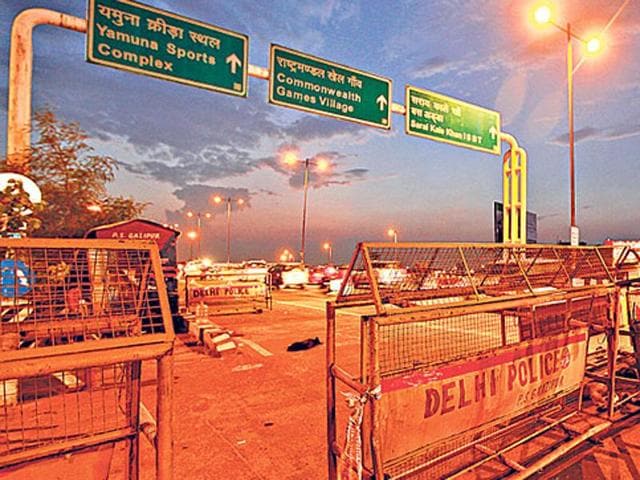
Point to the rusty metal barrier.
(227, 292)
(468, 353)
(77, 320)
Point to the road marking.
(245, 367)
(262, 351)
(313, 307)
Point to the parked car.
(288, 275)
(295, 276)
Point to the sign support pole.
(20, 72)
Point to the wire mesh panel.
(62, 410)
(77, 318)
(54, 295)
(407, 274)
(448, 375)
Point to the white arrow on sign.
(493, 132)
(234, 61)
(381, 101)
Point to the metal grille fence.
(413, 345)
(77, 318)
(64, 295)
(447, 316)
(408, 274)
(67, 406)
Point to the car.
(288, 275)
(317, 275)
(295, 276)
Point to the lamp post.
(191, 235)
(327, 247)
(393, 233)
(198, 216)
(218, 199)
(290, 158)
(543, 15)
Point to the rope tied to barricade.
(350, 462)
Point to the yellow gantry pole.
(522, 154)
(506, 204)
(514, 191)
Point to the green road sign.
(304, 82)
(142, 39)
(445, 119)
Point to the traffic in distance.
(279, 275)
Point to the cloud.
(310, 128)
(211, 162)
(622, 132)
(334, 11)
(199, 198)
(334, 175)
(587, 133)
(603, 135)
(434, 66)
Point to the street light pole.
(544, 15)
(329, 249)
(218, 199)
(572, 176)
(304, 209)
(198, 216)
(228, 230)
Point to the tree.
(73, 178)
(18, 215)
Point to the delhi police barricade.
(475, 359)
(227, 290)
(78, 320)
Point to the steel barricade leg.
(164, 452)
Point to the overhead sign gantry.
(131, 36)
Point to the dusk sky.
(179, 145)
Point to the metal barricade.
(77, 320)
(228, 292)
(471, 352)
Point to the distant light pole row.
(239, 201)
(543, 15)
(198, 216)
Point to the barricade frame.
(234, 304)
(366, 383)
(128, 351)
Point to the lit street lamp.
(191, 235)
(198, 216)
(286, 256)
(218, 199)
(544, 15)
(290, 158)
(327, 247)
(393, 233)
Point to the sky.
(178, 146)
